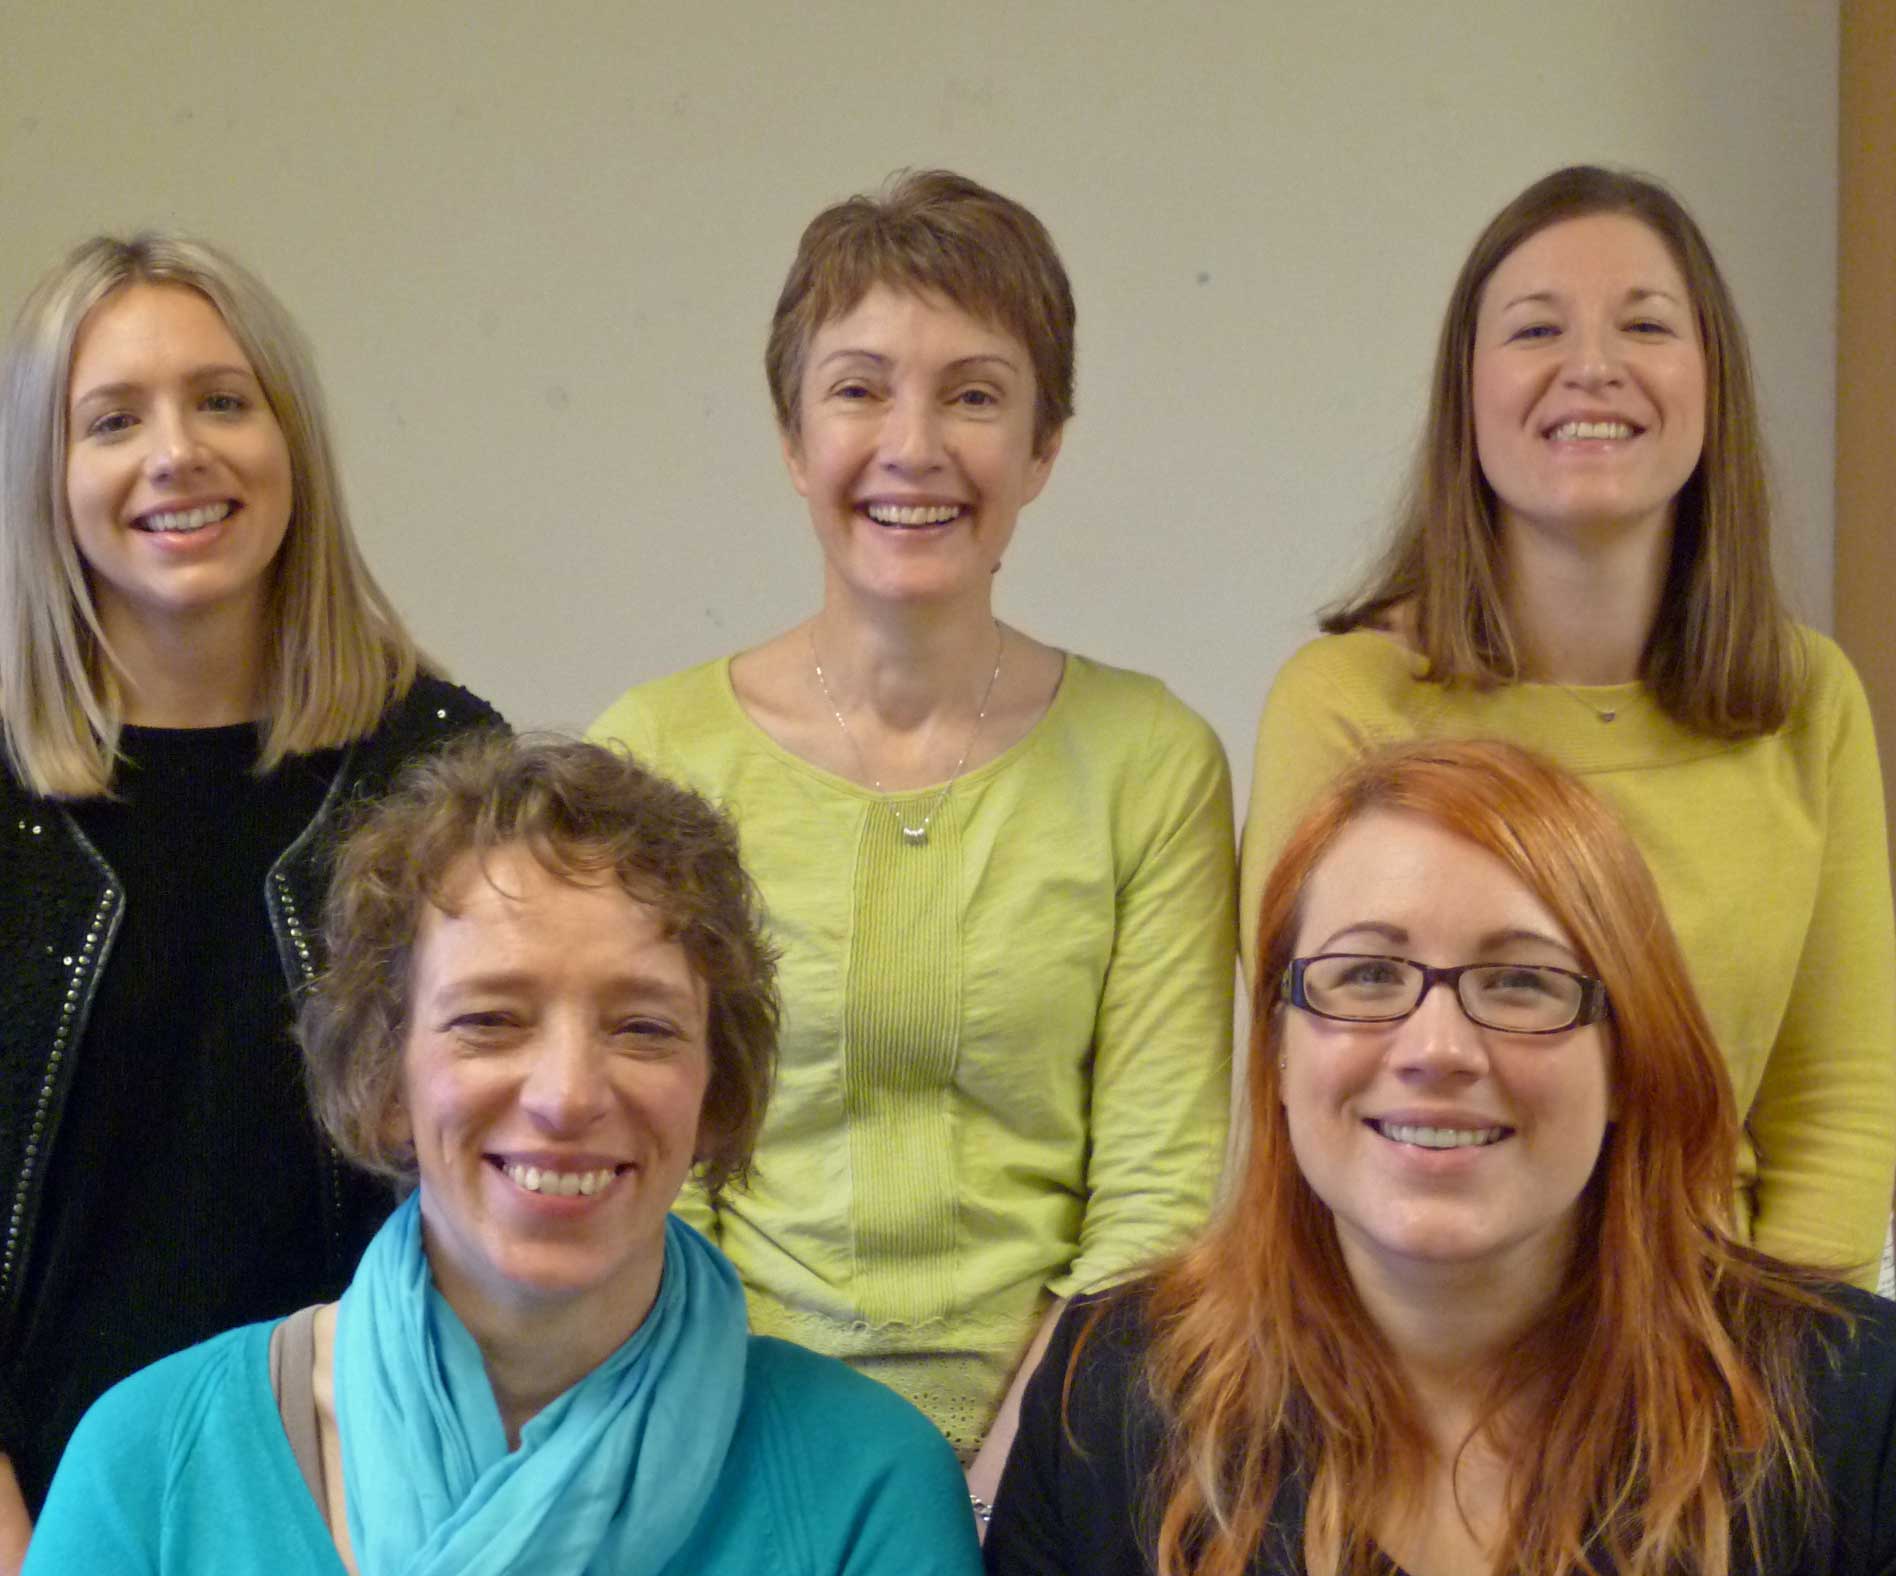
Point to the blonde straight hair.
(337, 655)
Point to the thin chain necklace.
(915, 836)
(1604, 713)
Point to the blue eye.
(980, 399)
(1535, 331)
(115, 422)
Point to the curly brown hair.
(585, 812)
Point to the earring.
(1283, 1062)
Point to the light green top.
(1772, 859)
(1006, 1052)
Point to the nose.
(177, 449)
(565, 1089)
(1438, 1040)
(912, 435)
(1593, 359)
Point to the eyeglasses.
(1517, 998)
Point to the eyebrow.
(644, 987)
(1488, 942)
(208, 374)
(1549, 297)
(959, 364)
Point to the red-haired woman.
(1583, 566)
(1476, 1305)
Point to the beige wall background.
(537, 246)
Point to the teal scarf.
(611, 1476)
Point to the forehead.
(143, 322)
(503, 906)
(1612, 251)
(1397, 870)
(899, 322)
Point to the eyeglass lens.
(1524, 997)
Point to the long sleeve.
(1162, 1043)
(1824, 1118)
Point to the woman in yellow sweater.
(1001, 875)
(1583, 566)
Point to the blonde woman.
(198, 675)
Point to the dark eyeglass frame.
(1593, 1006)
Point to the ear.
(1041, 466)
(793, 460)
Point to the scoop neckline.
(1021, 746)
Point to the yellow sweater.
(1006, 1053)
(1772, 859)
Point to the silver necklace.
(1604, 713)
(915, 836)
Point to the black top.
(188, 1146)
(1067, 1511)
(160, 1177)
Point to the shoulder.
(1851, 1364)
(1133, 708)
(861, 1481)
(434, 708)
(147, 1423)
(1334, 668)
(818, 1399)
(692, 701)
(1829, 684)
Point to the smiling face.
(915, 447)
(177, 473)
(1435, 1142)
(1588, 379)
(553, 1071)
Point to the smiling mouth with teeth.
(911, 515)
(174, 522)
(560, 1184)
(1420, 1137)
(1572, 431)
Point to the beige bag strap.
(292, 1381)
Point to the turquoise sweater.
(185, 1468)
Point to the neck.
(534, 1353)
(203, 672)
(908, 666)
(1448, 1325)
(1583, 609)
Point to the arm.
(984, 1475)
(1161, 1045)
(1824, 1120)
(16, 1526)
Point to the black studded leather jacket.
(60, 908)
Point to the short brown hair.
(1721, 657)
(584, 812)
(931, 232)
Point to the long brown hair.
(1721, 657)
(1680, 1403)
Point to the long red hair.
(1679, 1403)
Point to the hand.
(15, 1525)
